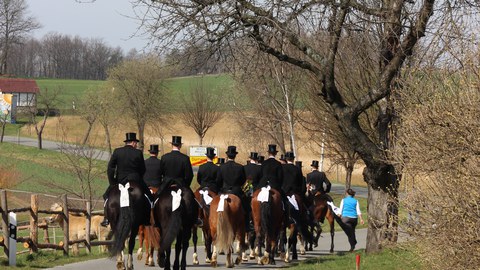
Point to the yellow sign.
(197, 161)
(5, 103)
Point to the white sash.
(293, 201)
(263, 194)
(221, 203)
(206, 197)
(335, 209)
(176, 199)
(124, 198)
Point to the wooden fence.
(31, 242)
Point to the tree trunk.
(107, 137)
(348, 175)
(141, 132)
(200, 137)
(4, 124)
(382, 207)
(87, 134)
(39, 137)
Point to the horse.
(175, 211)
(298, 226)
(203, 214)
(321, 211)
(144, 234)
(227, 223)
(268, 221)
(77, 227)
(127, 208)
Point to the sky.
(104, 19)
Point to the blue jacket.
(350, 207)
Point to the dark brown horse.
(268, 220)
(298, 226)
(175, 224)
(227, 223)
(203, 214)
(125, 220)
(320, 212)
(144, 234)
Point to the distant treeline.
(61, 56)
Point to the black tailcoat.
(317, 178)
(272, 173)
(153, 175)
(207, 176)
(231, 178)
(253, 172)
(293, 180)
(125, 164)
(176, 167)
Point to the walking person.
(350, 214)
(126, 164)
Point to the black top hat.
(298, 164)
(282, 157)
(210, 152)
(254, 155)
(231, 150)
(131, 137)
(153, 148)
(289, 155)
(314, 163)
(220, 161)
(261, 159)
(176, 140)
(272, 148)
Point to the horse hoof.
(139, 254)
(207, 260)
(264, 261)
(195, 259)
(238, 260)
(161, 262)
(282, 256)
(272, 262)
(120, 266)
(213, 263)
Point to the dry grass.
(8, 176)
(224, 133)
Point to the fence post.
(3, 202)
(89, 227)
(66, 235)
(34, 222)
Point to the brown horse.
(227, 223)
(203, 214)
(321, 211)
(268, 220)
(144, 234)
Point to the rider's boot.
(105, 221)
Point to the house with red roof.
(24, 91)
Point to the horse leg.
(229, 258)
(283, 242)
(258, 250)
(214, 257)
(131, 245)
(332, 232)
(208, 244)
(178, 249)
(141, 234)
(120, 263)
(294, 245)
(302, 244)
(148, 250)
(195, 239)
(185, 240)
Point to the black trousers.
(350, 225)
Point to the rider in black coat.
(175, 167)
(207, 173)
(272, 172)
(316, 179)
(253, 170)
(153, 175)
(126, 164)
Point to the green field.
(72, 90)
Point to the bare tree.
(89, 110)
(108, 110)
(47, 101)
(315, 30)
(202, 109)
(139, 87)
(14, 24)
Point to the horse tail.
(265, 215)
(153, 236)
(225, 233)
(173, 229)
(122, 231)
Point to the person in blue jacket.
(350, 214)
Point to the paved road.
(341, 246)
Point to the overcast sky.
(103, 19)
